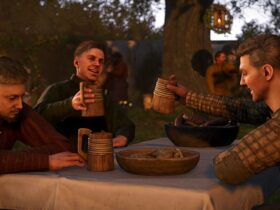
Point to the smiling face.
(89, 64)
(11, 101)
(254, 78)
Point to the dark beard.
(10, 120)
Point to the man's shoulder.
(26, 111)
(61, 84)
(229, 67)
(214, 66)
(212, 69)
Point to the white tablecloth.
(79, 189)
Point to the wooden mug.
(100, 155)
(163, 99)
(96, 108)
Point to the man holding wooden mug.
(61, 103)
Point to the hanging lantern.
(218, 19)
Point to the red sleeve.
(36, 132)
(40, 134)
(22, 161)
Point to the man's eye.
(12, 98)
(92, 58)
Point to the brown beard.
(10, 120)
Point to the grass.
(150, 124)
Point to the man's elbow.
(230, 169)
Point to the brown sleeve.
(211, 104)
(254, 153)
(229, 168)
(36, 132)
(241, 110)
(22, 161)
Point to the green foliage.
(43, 33)
(97, 18)
(252, 29)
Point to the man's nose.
(242, 81)
(19, 103)
(97, 63)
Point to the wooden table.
(77, 188)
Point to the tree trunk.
(185, 34)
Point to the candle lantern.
(218, 18)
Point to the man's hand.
(78, 103)
(179, 90)
(64, 159)
(119, 141)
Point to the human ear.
(75, 62)
(268, 71)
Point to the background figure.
(222, 77)
(116, 83)
(201, 60)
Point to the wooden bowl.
(201, 136)
(128, 160)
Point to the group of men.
(51, 129)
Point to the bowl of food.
(201, 133)
(157, 161)
(204, 136)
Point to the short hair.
(12, 71)
(201, 60)
(87, 45)
(218, 53)
(262, 49)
